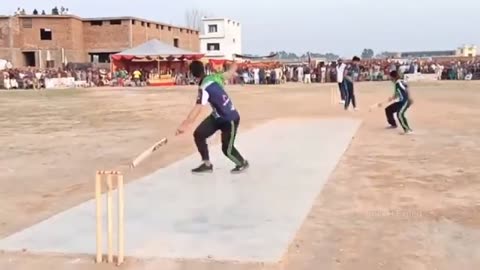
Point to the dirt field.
(394, 202)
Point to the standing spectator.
(340, 68)
(323, 73)
(273, 76)
(307, 75)
(89, 78)
(278, 75)
(300, 74)
(136, 77)
(261, 75)
(351, 72)
(256, 75)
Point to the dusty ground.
(394, 202)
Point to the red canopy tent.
(155, 56)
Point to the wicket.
(99, 179)
(334, 96)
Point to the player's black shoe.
(204, 168)
(241, 168)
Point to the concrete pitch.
(251, 217)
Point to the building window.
(27, 23)
(45, 34)
(175, 42)
(96, 23)
(158, 26)
(213, 46)
(143, 23)
(116, 22)
(133, 22)
(161, 27)
(148, 25)
(169, 28)
(212, 28)
(181, 30)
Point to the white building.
(221, 38)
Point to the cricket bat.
(144, 155)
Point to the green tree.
(368, 54)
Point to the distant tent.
(256, 57)
(155, 50)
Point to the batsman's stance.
(404, 101)
(224, 117)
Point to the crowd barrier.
(55, 83)
(419, 77)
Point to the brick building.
(48, 41)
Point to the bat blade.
(375, 106)
(145, 154)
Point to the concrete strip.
(252, 217)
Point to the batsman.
(403, 102)
(224, 117)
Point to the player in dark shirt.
(404, 101)
(351, 73)
(224, 117)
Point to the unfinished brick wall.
(76, 38)
(4, 33)
(106, 37)
(187, 39)
(61, 29)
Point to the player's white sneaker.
(409, 132)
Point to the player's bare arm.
(191, 117)
(230, 72)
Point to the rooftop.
(218, 19)
(98, 19)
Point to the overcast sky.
(344, 27)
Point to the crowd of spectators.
(54, 11)
(31, 78)
(272, 73)
(371, 70)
